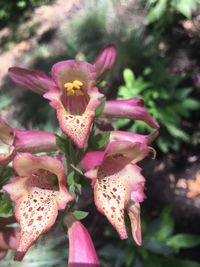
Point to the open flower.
(118, 183)
(13, 140)
(81, 248)
(71, 91)
(39, 192)
(132, 109)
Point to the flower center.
(74, 88)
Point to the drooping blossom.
(71, 91)
(118, 184)
(81, 248)
(13, 140)
(39, 192)
(133, 109)
(9, 236)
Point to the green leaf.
(167, 262)
(79, 214)
(100, 107)
(186, 7)
(178, 133)
(129, 77)
(159, 248)
(61, 143)
(6, 205)
(70, 178)
(191, 104)
(99, 141)
(183, 241)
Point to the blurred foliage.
(160, 246)
(168, 103)
(12, 10)
(162, 13)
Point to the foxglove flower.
(9, 236)
(39, 192)
(133, 109)
(81, 248)
(71, 91)
(13, 140)
(118, 184)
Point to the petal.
(71, 70)
(126, 151)
(81, 248)
(92, 160)
(37, 198)
(35, 81)
(7, 135)
(9, 238)
(133, 137)
(76, 127)
(133, 109)
(115, 188)
(34, 141)
(105, 59)
(134, 216)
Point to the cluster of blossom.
(40, 188)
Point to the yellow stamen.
(74, 88)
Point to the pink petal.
(76, 127)
(9, 238)
(92, 160)
(134, 216)
(34, 141)
(126, 151)
(105, 59)
(81, 248)
(37, 198)
(35, 81)
(133, 109)
(71, 70)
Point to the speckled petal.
(39, 192)
(76, 127)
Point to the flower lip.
(37, 198)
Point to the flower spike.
(39, 192)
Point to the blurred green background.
(158, 60)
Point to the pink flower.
(71, 91)
(9, 236)
(133, 109)
(81, 248)
(118, 184)
(39, 192)
(13, 140)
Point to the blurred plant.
(167, 102)
(160, 246)
(12, 10)
(163, 12)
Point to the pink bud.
(81, 248)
